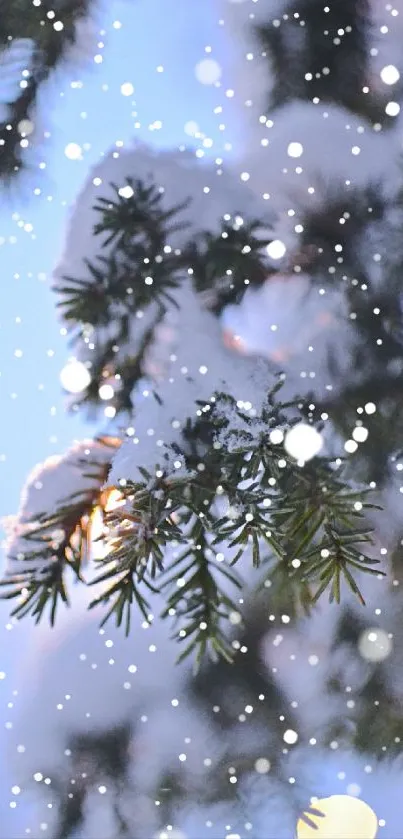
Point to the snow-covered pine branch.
(66, 479)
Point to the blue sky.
(95, 115)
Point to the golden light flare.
(109, 440)
(95, 532)
(338, 817)
(110, 499)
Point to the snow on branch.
(158, 219)
(227, 490)
(52, 531)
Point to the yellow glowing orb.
(338, 817)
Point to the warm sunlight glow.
(98, 547)
(110, 499)
(341, 817)
(113, 499)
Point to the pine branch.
(223, 265)
(374, 460)
(126, 372)
(379, 719)
(308, 519)
(337, 237)
(201, 609)
(374, 726)
(321, 53)
(135, 278)
(23, 20)
(64, 539)
(332, 237)
(139, 268)
(138, 215)
(137, 274)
